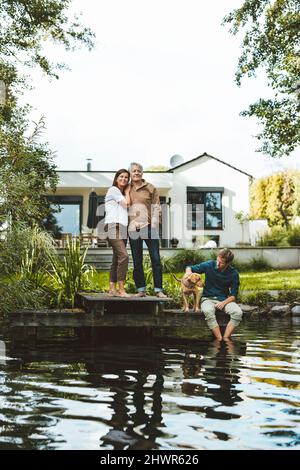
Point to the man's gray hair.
(132, 164)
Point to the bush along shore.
(267, 304)
(34, 277)
(261, 304)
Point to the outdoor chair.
(64, 239)
(102, 243)
(86, 239)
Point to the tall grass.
(24, 260)
(130, 284)
(280, 236)
(258, 264)
(70, 274)
(21, 243)
(293, 236)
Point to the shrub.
(280, 236)
(183, 258)
(276, 236)
(256, 298)
(166, 264)
(24, 259)
(21, 243)
(293, 236)
(213, 254)
(241, 267)
(17, 294)
(172, 289)
(130, 284)
(71, 274)
(289, 296)
(259, 264)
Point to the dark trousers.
(151, 238)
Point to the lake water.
(62, 393)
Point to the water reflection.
(65, 393)
(217, 368)
(128, 422)
(136, 386)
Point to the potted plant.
(174, 242)
(242, 219)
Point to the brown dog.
(190, 284)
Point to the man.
(144, 215)
(220, 292)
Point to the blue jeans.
(151, 239)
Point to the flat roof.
(104, 179)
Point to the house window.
(66, 215)
(204, 208)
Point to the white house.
(200, 198)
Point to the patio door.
(66, 215)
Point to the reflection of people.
(220, 291)
(135, 385)
(130, 410)
(216, 363)
(116, 219)
(144, 215)
(221, 369)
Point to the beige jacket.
(144, 206)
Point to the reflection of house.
(201, 198)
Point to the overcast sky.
(159, 82)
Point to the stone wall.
(280, 258)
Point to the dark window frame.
(69, 200)
(164, 242)
(204, 191)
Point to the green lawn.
(271, 280)
(268, 280)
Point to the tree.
(258, 201)
(276, 198)
(271, 42)
(27, 25)
(27, 169)
(27, 172)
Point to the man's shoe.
(141, 294)
(161, 295)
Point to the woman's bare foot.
(113, 293)
(123, 294)
(112, 289)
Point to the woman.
(116, 219)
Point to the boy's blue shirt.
(218, 284)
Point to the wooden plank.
(103, 297)
(101, 303)
(77, 320)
